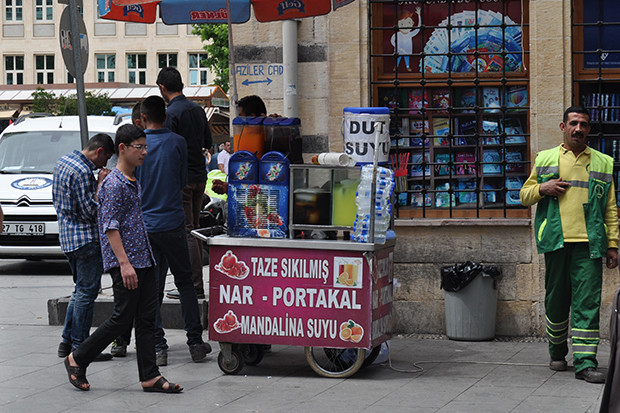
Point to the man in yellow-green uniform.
(576, 226)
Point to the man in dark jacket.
(189, 120)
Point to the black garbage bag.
(458, 276)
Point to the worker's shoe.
(591, 375)
(558, 365)
(199, 351)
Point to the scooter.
(212, 216)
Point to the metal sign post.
(74, 44)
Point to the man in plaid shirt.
(74, 194)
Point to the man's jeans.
(87, 267)
(192, 203)
(170, 249)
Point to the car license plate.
(23, 228)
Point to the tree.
(215, 39)
(44, 101)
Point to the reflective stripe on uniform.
(601, 176)
(590, 335)
(557, 339)
(551, 326)
(579, 184)
(557, 333)
(547, 170)
(585, 348)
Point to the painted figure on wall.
(402, 40)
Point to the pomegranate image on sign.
(229, 265)
(227, 323)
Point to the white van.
(29, 149)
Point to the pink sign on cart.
(320, 298)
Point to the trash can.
(470, 300)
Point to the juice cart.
(332, 297)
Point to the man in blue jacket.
(163, 176)
(189, 120)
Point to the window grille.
(596, 73)
(454, 75)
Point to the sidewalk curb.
(170, 312)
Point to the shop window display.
(596, 74)
(454, 75)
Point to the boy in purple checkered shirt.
(128, 257)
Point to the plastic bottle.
(384, 188)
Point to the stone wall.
(426, 245)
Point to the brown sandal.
(79, 373)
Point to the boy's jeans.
(87, 266)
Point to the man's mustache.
(578, 135)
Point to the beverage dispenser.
(249, 135)
(272, 202)
(242, 191)
(283, 135)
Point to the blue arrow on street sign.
(247, 82)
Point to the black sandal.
(79, 373)
(158, 387)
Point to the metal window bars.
(462, 113)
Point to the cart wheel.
(234, 365)
(252, 353)
(372, 356)
(335, 362)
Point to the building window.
(70, 78)
(106, 65)
(44, 10)
(596, 74)
(136, 65)
(13, 10)
(14, 70)
(166, 60)
(197, 69)
(453, 76)
(44, 69)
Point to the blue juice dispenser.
(272, 202)
(242, 190)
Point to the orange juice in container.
(249, 135)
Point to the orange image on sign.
(350, 331)
(348, 274)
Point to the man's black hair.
(135, 113)
(126, 134)
(576, 109)
(252, 106)
(101, 140)
(171, 79)
(154, 108)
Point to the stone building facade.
(335, 71)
